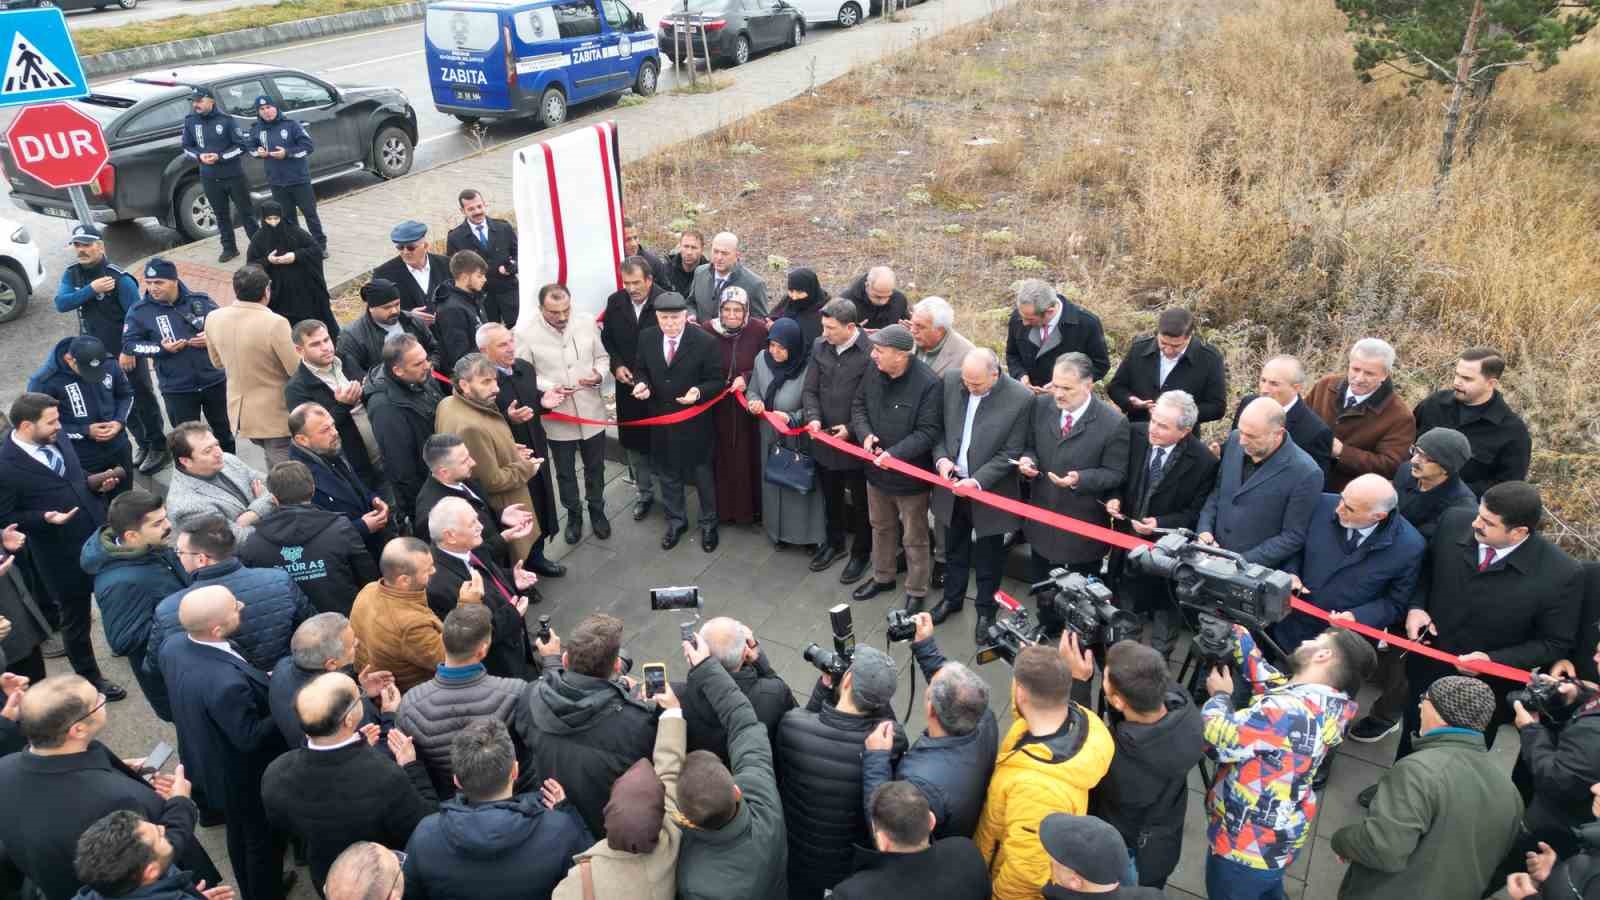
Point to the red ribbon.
(682, 415)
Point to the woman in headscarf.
(790, 516)
(804, 304)
(293, 260)
(738, 461)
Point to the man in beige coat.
(252, 344)
(500, 464)
(569, 358)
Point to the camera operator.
(1261, 802)
(951, 762)
(1575, 877)
(731, 644)
(819, 754)
(1561, 758)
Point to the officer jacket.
(149, 323)
(85, 402)
(98, 314)
(286, 134)
(214, 133)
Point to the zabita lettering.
(461, 76)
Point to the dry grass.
(157, 31)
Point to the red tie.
(505, 594)
(1066, 424)
(1044, 333)
(672, 349)
(1488, 558)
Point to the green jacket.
(1443, 817)
(749, 856)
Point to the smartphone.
(158, 758)
(670, 598)
(655, 679)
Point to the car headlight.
(20, 236)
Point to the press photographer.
(1555, 875)
(731, 643)
(1559, 724)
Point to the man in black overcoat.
(628, 312)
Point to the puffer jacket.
(820, 771)
(512, 849)
(128, 585)
(86, 401)
(1033, 778)
(273, 608)
(432, 712)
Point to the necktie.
(1158, 459)
(483, 235)
(1044, 333)
(672, 349)
(1352, 540)
(1066, 424)
(57, 465)
(478, 564)
(1488, 559)
(1350, 401)
(716, 292)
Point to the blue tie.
(56, 464)
(483, 236)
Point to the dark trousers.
(672, 499)
(593, 452)
(212, 402)
(843, 518)
(301, 197)
(987, 555)
(144, 420)
(254, 847)
(1389, 707)
(30, 667)
(1421, 672)
(501, 306)
(220, 191)
(65, 603)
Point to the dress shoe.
(980, 631)
(937, 578)
(228, 254)
(673, 535)
(544, 568)
(534, 597)
(826, 555)
(52, 648)
(155, 461)
(854, 569)
(574, 528)
(112, 690)
(139, 454)
(641, 508)
(942, 610)
(709, 539)
(600, 525)
(870, 588)
(913, 605)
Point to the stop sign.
(57, 144)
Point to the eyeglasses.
(100, 702)
(399, 857)
(411, 246)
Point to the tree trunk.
(1463, 78)
(1482, 90)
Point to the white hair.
(726, 639)
(1036, 294)
(445, 516)
(1375, 348)
(1299, 374)
(726, 237)
(938, 310)
(1181, 402)
(486, 334)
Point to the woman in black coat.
(804, 303)
(293, 260)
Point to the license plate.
(58, 212)
(469, 96)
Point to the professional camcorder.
(1214, 581)
(838, 661)
(1085, 606)
(1006, 638)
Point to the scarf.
(805, 281)
(786, 333)
(723, 330)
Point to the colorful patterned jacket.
(1260, 806)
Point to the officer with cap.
(1087, 859)
(95, 398)
(360, 344)
(211, 139)
(284, 148)
(103, 294)
(168, 325)
(419, 274)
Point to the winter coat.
(950, 869)
(87, 401)
(320, 550)
(336, 486)
(705, 301)
(696, 364)
(189, 370)
(433, 490)
(398, 633)
(252, 344)
(1501, 445)
(1034, 777)
(1076, 330)
(871, 316)
(1304, 427)
(510, 655)
(832, 382)
(413, 295)
(283, 133)
(273, 608)
(906, 414)
(769, 696)
(129, 583)
(215, 132)
(500, 292)
(29, 628)
(1562, 762)
(1376, 433)
(305, 387)
(28, 490)
(361, 343)
(189, 497)
(433, 712)
(497, 464)
(1200, 371)
(619, 334)
(402, 417)
(284, 686)
(1424, 508)
(999, 434)
(1264, 516)
(513, 849)
(177, 884)
(456, 327)
(1097, 449)
(561, 358)
(1442, 819)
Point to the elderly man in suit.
(1267, 490)
(722, 272)
(1080, 445)
(415, 271)
(207, 480)
(1282, 379)
(225, 726)
(44, 492)
(1170, 474)
(339, 489)
(679, 367)
(629, 312)
(985, 428)
(1043, 327)
(496, 241)
(1372, 429)
(252, 344)
(941, 348)
(462, 576)
(1172, 359)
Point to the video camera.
(1216, 582)
(1542, 697)
(837, 662)
(1085, 606)
(671, 599)
(1006, 637)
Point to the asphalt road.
(148, 10)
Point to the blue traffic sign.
(40, 62)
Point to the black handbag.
(792, 469)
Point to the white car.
(821, 12)
(21, 269)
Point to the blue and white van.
(508, 58)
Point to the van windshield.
(458, 29)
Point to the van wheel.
(14, 294)
(391, 152)
(645, 84)
(192, 212)
(467, 120)
(741, 50)
(552, 107)
(127, 4)
(849, 15)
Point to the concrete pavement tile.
(1325, 873)
(1338, 801)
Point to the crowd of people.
(343, 644)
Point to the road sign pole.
(80, 204)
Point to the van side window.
(616, 14)
(577, 18)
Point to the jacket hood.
(54, 365)
(1170, 745)
(1079, 754)
(102, 553)
(296, 524)
(569, 703)
(489, 830)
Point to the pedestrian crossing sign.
(40, 63)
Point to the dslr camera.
(837, 662)
(1542, 697)
(1216, 582)
(902, 627)
(1085, 606)
(1006, 638)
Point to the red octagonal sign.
(57, 144)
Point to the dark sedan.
(353, 128)
(733, 29)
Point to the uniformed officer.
(210, 137)
(284, 147)
(94, 397)
(103, 294)
(168, 325)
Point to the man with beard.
(338, 488)
(1474, 406)
(460, 309)
(126, 857)
(628, 312)
(496, 241)
(450, 465)
(326, 643)
(320, 378)
(251, 343)
(401, 399)
(504, 467)
(169, 326)
(679, 267)
(360, 345)
(523, 405)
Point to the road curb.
(133, 59)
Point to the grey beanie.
(1447, 447)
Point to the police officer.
(103, 294)
(285, 149)
(168, 325)
(209, 137)
(95, 397)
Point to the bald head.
(1366, 501)
(325, 705)
(980, 369)
(209, 613)
(52, 710)
(1261, 428)
(724, 251)
(726, 640)
(365, 871)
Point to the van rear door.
(467, 59)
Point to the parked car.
(21, 269)
(844, 13)
(68, 5)
(734, 30)
(353, 127)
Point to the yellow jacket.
(1032, 779)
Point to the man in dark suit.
(629, 312)
(225, 727)
(680, 367)
(45, 493)
(338, 488)
(1282, 379)
(1172, 359)
(722, 272)
(1170, 474)
(418, 274)
(457, 535)
(326, 643)
(985, 428)
(1043, 327)
(361, 342)
(839, 361)
(450, 465)
(496, 241)
(522, 404)
(1267, 489)
(1080, 445)
(1474, 406)
(321, 379)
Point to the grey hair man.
(1043, 327)
(325, 643)
(731, 643)
(1373, 430)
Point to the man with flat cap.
(678, 368)
(361, 342)
(1087, 859)
(417, 273)
(211, 139)
(95, 398)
